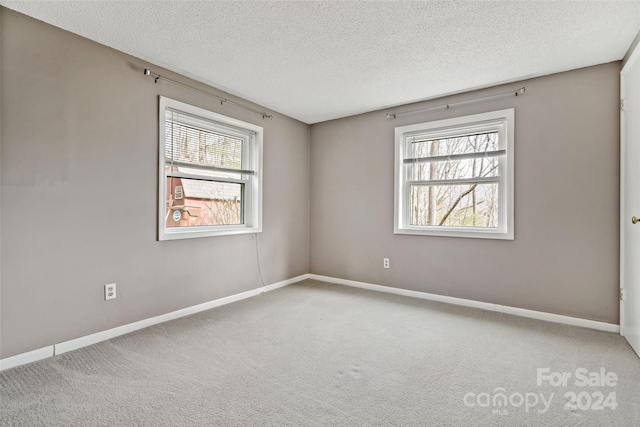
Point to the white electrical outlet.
(385, 262)
(109, 291)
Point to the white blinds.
(463, 159)
(476, 155)
(203, 144)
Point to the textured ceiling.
(316, 61)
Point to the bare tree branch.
(455, 203)
(460, 197)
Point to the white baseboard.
(24, 358)
(532, 314)
(131, 327)
(87, 340)
(50, 351)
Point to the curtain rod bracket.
(148, 72)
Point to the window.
(210, 173)
(454, 177)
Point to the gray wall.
(564, 258)
(79, 194)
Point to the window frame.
(503, 122)
(252, 197)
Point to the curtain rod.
(453, 104)
(222, 100)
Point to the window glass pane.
(455, 169)
(478, 143)
(189, 144)
(203, 203)
(467, 205)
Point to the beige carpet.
(315, 354)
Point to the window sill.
(456, 232)
(198, 232)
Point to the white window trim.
(253, 190)
(503, 121)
